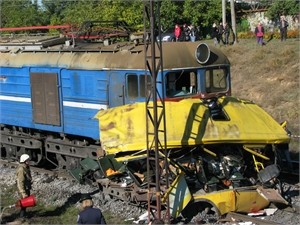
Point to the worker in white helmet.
(24, 180)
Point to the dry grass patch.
(268, 75)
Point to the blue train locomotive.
(51, 90)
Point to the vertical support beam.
(155, 108)
(233, 20)
(223, 11)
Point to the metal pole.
(223, 11)
(233, 21)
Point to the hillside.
(269, 76)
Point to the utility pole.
(233, 21)
(223, 11)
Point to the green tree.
(108, 10)
(171, 13)
(18, 13)
(54, 10)
(203, 14)
(279, 7)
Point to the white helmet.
(24, 158)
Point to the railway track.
(38, 170)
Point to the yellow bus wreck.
(223, 165)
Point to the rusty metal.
(45, 98)
(96, 56)
(272, 195)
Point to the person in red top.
(177, 32)
(259, 33)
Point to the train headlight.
(202, 53)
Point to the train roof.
(62, 53)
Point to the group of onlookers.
(220, 33)
(186, 33)
(260, 31)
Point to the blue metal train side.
(84, 93)
(15, 95)
(81, 94)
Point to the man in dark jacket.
(283, 28)
(89, 215)
(215, 34)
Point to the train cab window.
(136, 86)
(181, 83)
(215, 80)
(143, 85)
(132, 86)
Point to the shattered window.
(180, 83)
(215, 80)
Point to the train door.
(116, 93)
(45, 98)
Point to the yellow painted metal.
(258, 165)
(255, 153)
(188, 123)
(235, 200)
(178, 194)
(210, 152)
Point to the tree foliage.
(16, 13)
(287, 7)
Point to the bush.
(276, 34)
(293, 33)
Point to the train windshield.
(215, 80)
(205, 81)
(181, 83)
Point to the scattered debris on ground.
(58, 191)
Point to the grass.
(42, 213)
(269, 76)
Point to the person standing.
(226, 33)
(89, 214)
(185, 33)
(283, 28)
(215, 34)
(24, 180)
(192, 33)
(221, 32)
(259, 33)
(177, 32)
